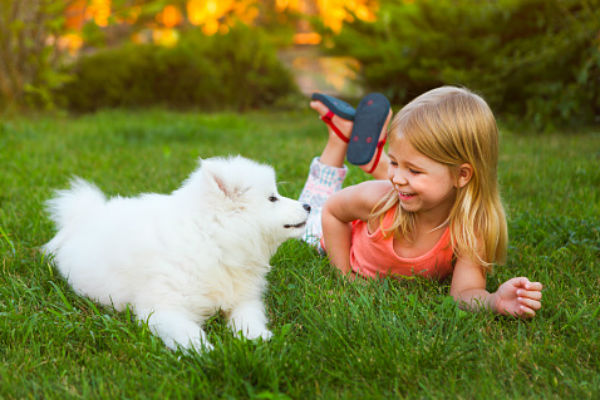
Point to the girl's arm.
(347, 205)
(517, 296)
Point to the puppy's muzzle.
(301, 224)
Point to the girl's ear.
(465, 173)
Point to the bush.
(239, 70)
(538, 59)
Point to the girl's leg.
(323, 180)
(334, 152)
(326, 174)
(328, 171)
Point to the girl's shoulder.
(373, 187)
(357, 201)
(371, 192)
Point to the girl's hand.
(518, 297)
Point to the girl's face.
(424, 186)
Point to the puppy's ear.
(219, 182)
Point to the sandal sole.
(369, 119)
(337, 106)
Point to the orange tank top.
(372, 254)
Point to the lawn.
(332, 338)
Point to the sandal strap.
(380, 145)
(327, 119)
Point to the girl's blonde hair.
(453, 126)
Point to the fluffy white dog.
(179, 258)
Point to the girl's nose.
(398, 178)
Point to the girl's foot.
(339, 117)
(339, 130)
(337, 126)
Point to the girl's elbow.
(329, 208)
(455, 293)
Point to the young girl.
(433, 208)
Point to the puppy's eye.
(273, 198)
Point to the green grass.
(333, 338)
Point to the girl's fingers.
(529, 303)
(534, 286)
(525, 312)
(535, 295)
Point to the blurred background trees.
(537, 59)
(533, 59)
(29, 54)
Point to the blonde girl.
(433, 209)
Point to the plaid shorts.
(323, 180)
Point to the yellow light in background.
(74, 14)
(338, 70)
(210, 27)
(216, 16)
(71, 42)
(282, 5)
(224, 12)
(195, 12)
(165, 37)
(363, 13)
(219, 15)
(170, 16)
(246, 11)
(99, 11)
(335, 12)
(308, 38)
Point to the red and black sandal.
(365, 145)
(336, 107)
(339, 107)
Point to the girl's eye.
(393, 163)
(414, 171)
(273, 199)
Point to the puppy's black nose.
(306, 207)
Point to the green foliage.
(333, 339)
(538, 59)
(238, 71)
(28, 56)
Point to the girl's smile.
(405, 196)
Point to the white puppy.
(179, 258)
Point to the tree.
(29, 32)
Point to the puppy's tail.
(71, 205)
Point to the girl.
(434, 208)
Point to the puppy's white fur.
(178, 258)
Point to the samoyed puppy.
(178, 258)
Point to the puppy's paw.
(263, 334)
(200, 346)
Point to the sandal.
(370, 117)
(336, 107)
(339, 107)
